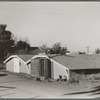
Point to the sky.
(73, 24)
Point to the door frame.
(16, 65)
(43, 63)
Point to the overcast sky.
(74, 24)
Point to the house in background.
(16, 63)
(43, 66)
(31, 50)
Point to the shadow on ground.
(7, 87)
(1, 75)
(94, 91)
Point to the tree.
(48, 50)
(2, 27)
(9, 43)
(58, 49)
(63, 50)
(22, 45)
(6, 42)
(97, 51)
(43, 47)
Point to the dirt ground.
(18, 86)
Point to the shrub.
(95, 77)
(76, 78)
(2, 65)
(97, 51)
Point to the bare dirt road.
(18, 86)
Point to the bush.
(2, 66)
(76, 78)
(95, 77)
(97, 51)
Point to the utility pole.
(88, 49)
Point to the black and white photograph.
(50, 50)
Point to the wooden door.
(47, 66)
(42, 68)
(35, 67)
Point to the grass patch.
(77, 78)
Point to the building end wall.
(59, 69)
(10, 65)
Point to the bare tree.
(43, 47)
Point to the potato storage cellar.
(41, 67)
(44, 67)
(17, 63)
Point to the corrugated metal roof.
(79, 61)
